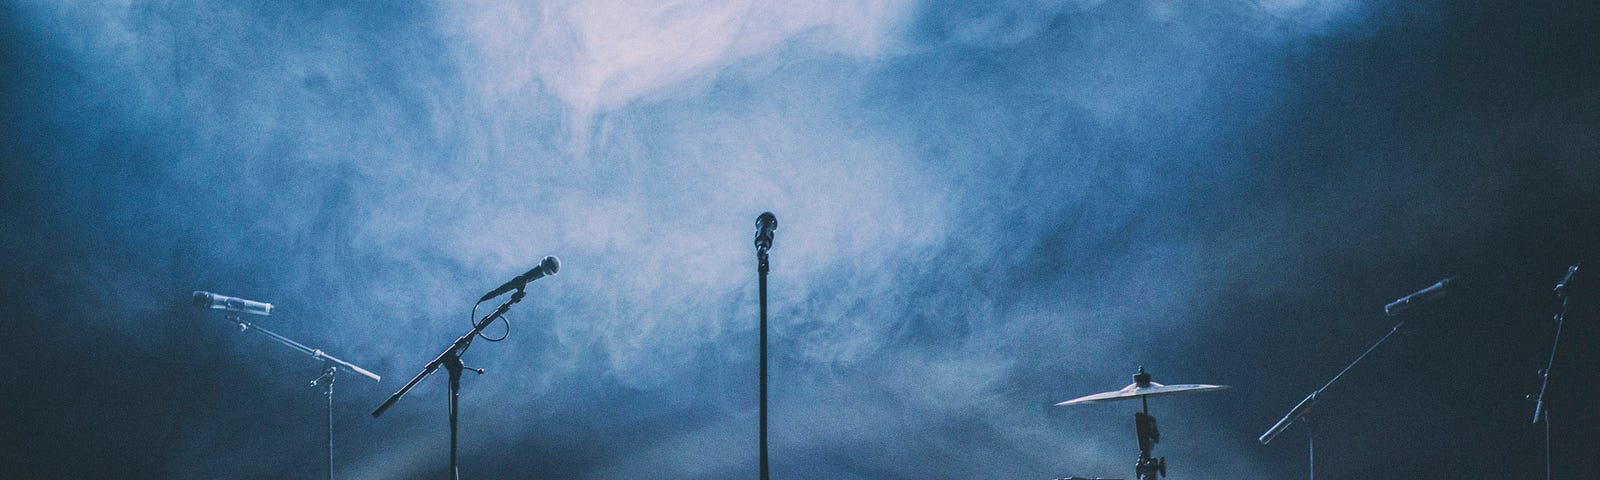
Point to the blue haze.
(984, 209)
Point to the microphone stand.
(1301, 412)
(332, 363)
(761, 269)
(450, 359)
(326, 379)
(1540, 411)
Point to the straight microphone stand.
(450, 359)
(761, 269)
(1302, 410)
(333, 364)
(766, 225)
(326, 379)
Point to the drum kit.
(1148, 467)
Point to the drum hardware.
(1147, 467)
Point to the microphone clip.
(766, 224)
(1562, 286)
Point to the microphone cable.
(472, 319)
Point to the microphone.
(547, 267)
(766, 224)
(231, 304)
(1420, 297)
(1561, 288)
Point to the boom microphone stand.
(1302, 410)
(233, 314)
(450, 359)
(1540, 411)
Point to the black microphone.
(231, 304)
(1561, 288)
(1422, 296)
(766, 224)
(547, 267)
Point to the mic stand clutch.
(450, 359)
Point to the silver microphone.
(1425, 295)
(231, 304)
(1561, 287)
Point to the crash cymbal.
(1142, 387)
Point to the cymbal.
(1142, 387)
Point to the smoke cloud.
(983, 209)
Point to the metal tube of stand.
(762, 269)
(332, 370)
(1547, 445)
(453, 366)
(1311, 449)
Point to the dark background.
(983, 210)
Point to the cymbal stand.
(1145, 426)
(332, 365)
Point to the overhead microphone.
(231, 304)
(1561, 288)
(547, 267)
(766, 224)
(1420, 297)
